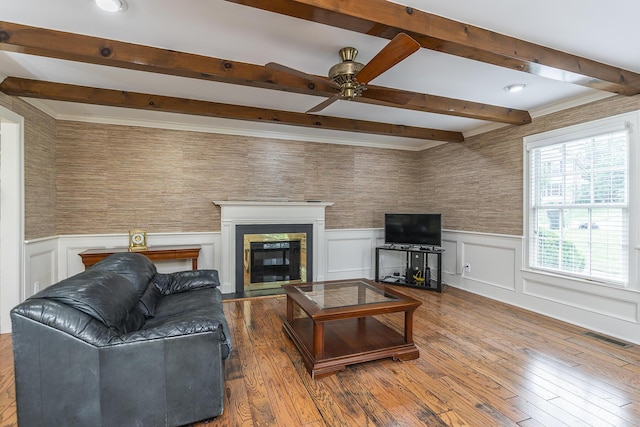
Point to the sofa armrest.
(182, 281)
(46, 314)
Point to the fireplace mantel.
(270, 203)
(241, 212)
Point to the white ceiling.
(601, 30)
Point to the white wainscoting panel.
(70, 263)
(491, 264)
(41, 265)
(495, 262)
(349, 253)
(578, 298)
(450, 257)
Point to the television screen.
(413, 229)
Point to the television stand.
(413, 253)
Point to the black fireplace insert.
(270, 255)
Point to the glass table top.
(331, 295)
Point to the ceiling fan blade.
(293, 71)
(324, 104)
(393, 96)
(395, 51)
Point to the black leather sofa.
(121, 345)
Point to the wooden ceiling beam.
(115, 98)
(93, 50)
(386, 19)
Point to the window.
(578, 200)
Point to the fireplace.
(240, 213)
(271, 255)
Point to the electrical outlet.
(36, 287)
(467, 268)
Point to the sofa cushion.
(103, 295)
(191, 302)
(191, 312)
(186, 281)
(137, 268)
(149, 300)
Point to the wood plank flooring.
(482, 363)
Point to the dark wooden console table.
(158, 253)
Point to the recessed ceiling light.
(112, 5)
(515, 88)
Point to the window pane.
(579, 207)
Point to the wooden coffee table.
(336, 327)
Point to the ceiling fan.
(350, 78)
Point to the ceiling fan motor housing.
(344, 72)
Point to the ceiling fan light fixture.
(112, 5)
(519, 87)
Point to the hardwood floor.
(482, 363)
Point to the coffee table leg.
(408, 326)
(318, 340)
(289, 309)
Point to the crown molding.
(170, 121)
(42, 106)
(570, 103)
(546, 110)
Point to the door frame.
(11, 214)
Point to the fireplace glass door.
(271, 260)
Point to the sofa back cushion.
(103, 295)
(137, 268)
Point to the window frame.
(571, 133)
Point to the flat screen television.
(413, 229)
